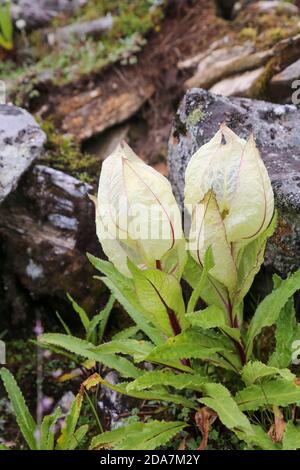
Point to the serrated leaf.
(276, 392)
(138, 436)
(291, 438)
(123, 290)
(210, 317)
(79, 434)
(220, 400)
(269, 309)
(160, 295)
(197, 344)
(100, 319)
(64, 442)
(25, 421)
(160, 394)
(212, 292)
(126, 333)
(85, 349)
(258, 438)
(254, 371)
(286, 328)
(207, 266)
(138, 349)
(249, 261)
(166, 378)
(48, 431)
(80, 312)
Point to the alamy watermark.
(296, 93)
(2, 352)
(2, 92)
(296, 352)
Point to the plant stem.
(238, 346)
(94, 411)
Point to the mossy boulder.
(276, 130)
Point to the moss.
(64, 153)
(248, 33)
(259, 88)
(79, 58)
(195, 116)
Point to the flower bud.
(137, 215)
(230, 198)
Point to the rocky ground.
(90, 74)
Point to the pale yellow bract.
(230, 198)
(137, 215)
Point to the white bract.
(137, 215)
(230, 198)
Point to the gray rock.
(276, 129)
(21, 142)
(225, 62)
(81, 30)
(38, 13)
(46, 227)
(281, 84)
(238, 85)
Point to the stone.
(91, 113)
(276, 130)
(226, 61)
(47, 225)
(280, 85)
(40, 12)
(238, 85)
(21, 143)
(80, 30)
(104, 144)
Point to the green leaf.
(160, 394)
(100, 319)
(286, 330)
(78, 436)
(249, 261)
(126, 333)
(269, 309)
(210, 317)
(63, 323)
(160, 295)
(291, 438)
(3, 447)
(138, 349)
(48, 430)
(64, 442)
(81, 313)
(25, 421)
(212, 292)
(254, 371)
(85, 349)
(258, 438)
(208, 265)
(139, 436)
(220, 400)
(214, 317)
(197, 344)
(6, 26)
(123, 290)
(166, 378)
(278, 392)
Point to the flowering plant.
(191, 347)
